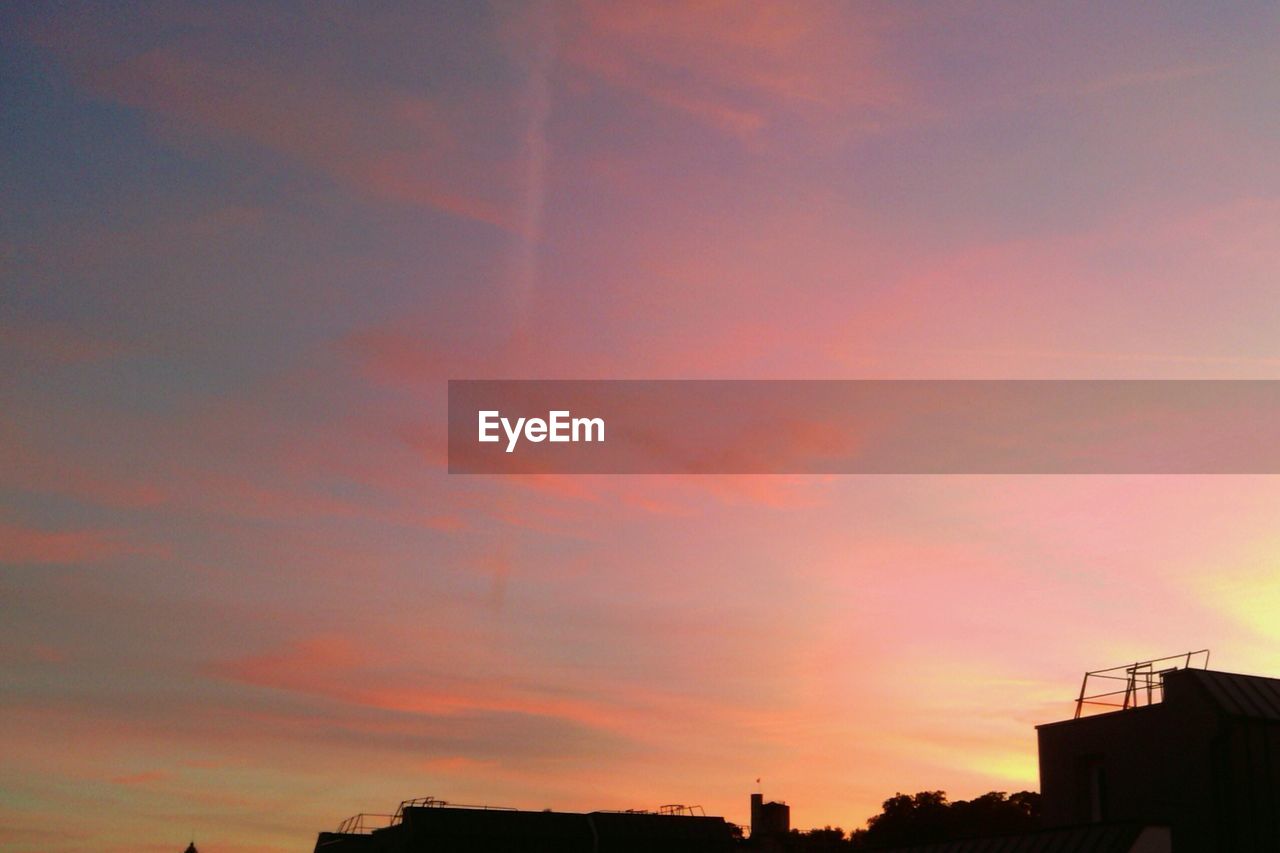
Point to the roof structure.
(431, 824)
(1252, 696)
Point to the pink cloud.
(24, 544)
(29, 462)
(394, 145)
(737, 68)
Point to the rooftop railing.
(1132, 685)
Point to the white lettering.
(559, 421)
(513, 434)
(488, 423)
(588, 424)
(559, 427)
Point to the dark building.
(439, 827)
(1095, 838)
(1184, 759)
(769, 820)
(1193, 749)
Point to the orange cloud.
(335, 668)
(142, 778)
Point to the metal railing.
(367, 822)
(682, 809)
(364, 823)
(1133, 685)
(670, 810)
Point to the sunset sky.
(243, 247)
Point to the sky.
(243, 247)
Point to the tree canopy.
(924, 818)
(929, 816)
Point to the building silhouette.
(1193, 749)
(769, 820)
(433, 825)
(1162, 756)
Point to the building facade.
(1204, 761)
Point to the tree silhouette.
(921, 818)
(928, 817)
